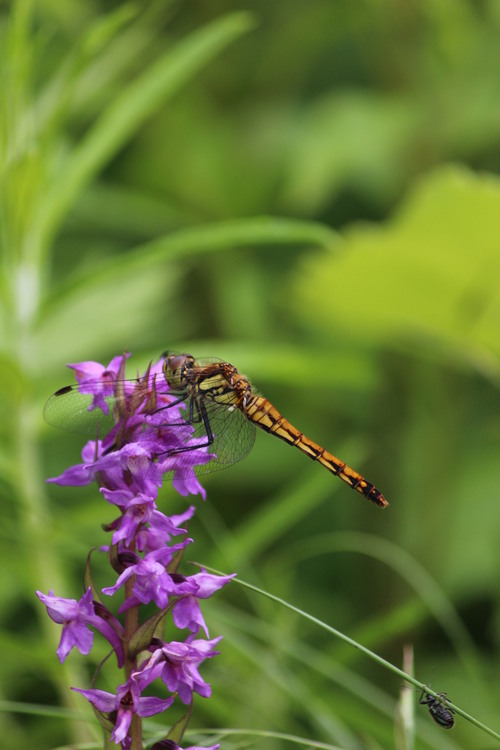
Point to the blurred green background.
(310, 191)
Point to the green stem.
(131, 625)
(35, 518)
(370, 654)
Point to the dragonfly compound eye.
(177, 369)
(176, 362)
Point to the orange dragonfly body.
(220, 383)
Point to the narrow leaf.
(263, 230)
(88, 579)
(130, 109)
(143, 635)
(177, 731)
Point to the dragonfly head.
(175, 368)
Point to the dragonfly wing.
(89, 408)
(68, 409)
(233, 437)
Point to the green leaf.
(120, 303)
(88, 579)
(143, 635)
(177, 731)
(128, 111)
(105, 28)
(62, 93)
(351, 139)
(263, 230)
(112, 314)
(428, 277)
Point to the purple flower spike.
(149, 437)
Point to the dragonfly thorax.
(223, 384)
(217, 382)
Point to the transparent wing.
(231, 434)
(69, 409)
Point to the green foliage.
(311, 192)
(425, 280)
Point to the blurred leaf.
(104, 29)
(353, 140)
(114, 209)
(270, 523)
(282, 364)
(111, 314)
(62, 93)
(189, 242)
(427, 278)
(130, 109)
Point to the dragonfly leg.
(206, 423)
(202, 416)
(189, 420)
(178, 400)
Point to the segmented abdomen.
(262, 413)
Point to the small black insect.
(438, 709)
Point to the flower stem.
(131, 625)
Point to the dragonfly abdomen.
(352, 478)
(260, 411)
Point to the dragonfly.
(218, 403)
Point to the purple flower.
(159, 531)
(180, 465)
(186, 612)
(98, 381)
(76, 617)
(130, 467)
(126, 703)
(138, 510)
(208, 583)
(177, 664)
(80, 475)
(152, 582)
